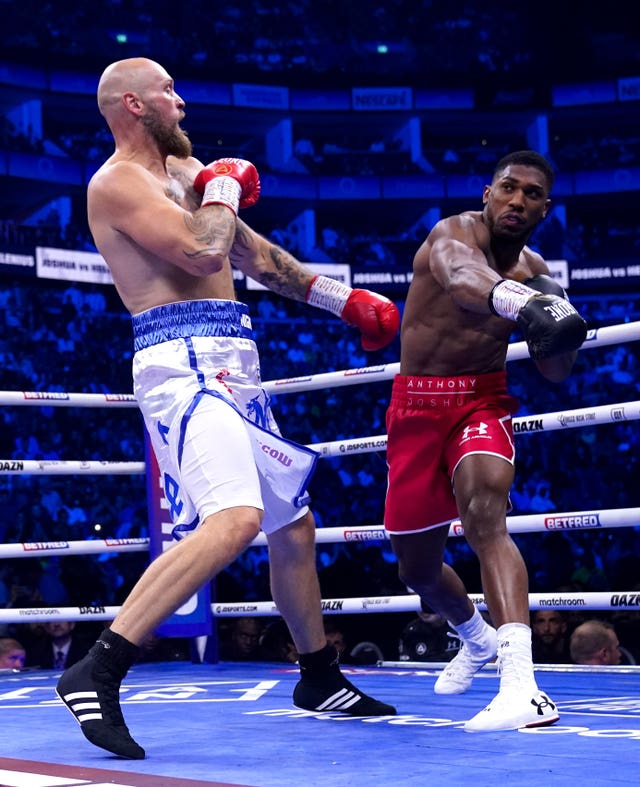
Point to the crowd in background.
(300, 40)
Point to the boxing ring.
(600, 707)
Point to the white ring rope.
(599, 337)
(562, 419)
(69, 467)
(568, 522)
(609, 600)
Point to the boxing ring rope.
(600, 600)
(599, 337)
(570, 521)
(562, 419)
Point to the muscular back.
(447, 327)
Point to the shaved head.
(130, 75)
(138, 93)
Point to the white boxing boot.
(479, 646)
(519, 703)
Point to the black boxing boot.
(322, 687)
(91, 691)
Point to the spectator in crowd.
(60, 646)
(12, 654)
(155, 648)
(335, 636)
(240, 640)
(428, 637)
(277, 643)
(596, 642)
(550, 637)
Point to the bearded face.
(172, 140)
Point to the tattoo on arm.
(289, 278)
(281, 272)
(215, 231)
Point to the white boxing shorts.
(196, 376)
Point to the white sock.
(472, 632)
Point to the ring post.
(193, 619)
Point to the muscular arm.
(125, 199)
(462, 271)
(269, 264)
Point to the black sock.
(319, 662)
(114, 652)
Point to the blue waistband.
(191, 318)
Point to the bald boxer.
(168, 228)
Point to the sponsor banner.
(596, 275)
(221, 609)
(584, 93)
(320, 100)
(40, 546)
(527, 425)
(71, 265)
(629, 89)
(441, 98)
(381, 279)
(572, 522)
(359, 534)
(17, 264)
(11, 465)
(293, 381)
(364, 370)
(263, 96)
(559, 271)
(562, 602)
(381, 99)
(193, 618)
(376, 603)
(332, 605)
(625, 600)
(46, 395)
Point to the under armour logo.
(477, 431)
(542, 703)
(105, 645)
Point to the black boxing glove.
(546, 285)
(550, 324)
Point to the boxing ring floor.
(234, 724)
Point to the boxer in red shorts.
(449, 447)
(432, 423)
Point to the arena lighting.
(382, 49)
(121, 38)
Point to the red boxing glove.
(233, 182)
(377, 318)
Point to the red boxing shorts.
(432, 424)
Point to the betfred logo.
(43, 546)
(44, 395)
(364, 535)
(575, 522)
